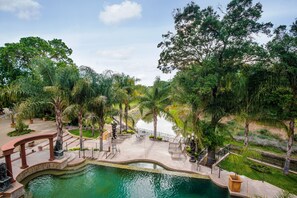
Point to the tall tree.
(102, 101)
(81, 95)
(215, 47)
(16, 58)
(155, 100)
(248, 91)
(56, 84)
(283, 50)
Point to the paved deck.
(132, 149)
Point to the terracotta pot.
(234, 183)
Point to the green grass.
(86, 133)
(275, 176)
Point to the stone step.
(72, 156)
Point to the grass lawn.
(86, 133)
(275, 176)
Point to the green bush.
(188, 149)
(260, 168)
(77, 149)
(263, 131)
(129, 131)
(159, 138)
(240, 133)
(151, 136)
(20, 129)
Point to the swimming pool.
(104, 181)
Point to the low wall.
(54, 165)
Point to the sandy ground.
(254, 126)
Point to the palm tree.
(100, 105)
(55, 85)
(81, 94)
(125, 92)
(155, 100)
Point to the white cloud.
(117, 13)
(24, 9)
(119, 54)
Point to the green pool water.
(102, 181)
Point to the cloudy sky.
(120, 35)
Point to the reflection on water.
(163, 126)
(146, 165)
(101, 181)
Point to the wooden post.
(51, 147)
(23, 156)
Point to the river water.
(163, 126)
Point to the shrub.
(20, 129)
(240, 133)
(129, 131)
(77, 149)
(188, 149)
(260, 168)
(263, 131)
(159, 138)
(151, 136)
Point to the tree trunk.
(211, 154)
(121, 117)
(289, 146)
(12, 124)
(80, 129)
(59, 126)
(246, 133)
(155, 125)
(93, 132)
(101, 128)
(126, 116)
(212, 147)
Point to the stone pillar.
(51, 147)
(9, 167)
(23, 156)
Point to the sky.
(118, 35)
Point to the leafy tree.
(214, 48)
(16, 58)
(155, 100)
(283, 97)
(248, 92)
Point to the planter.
(234, 183)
